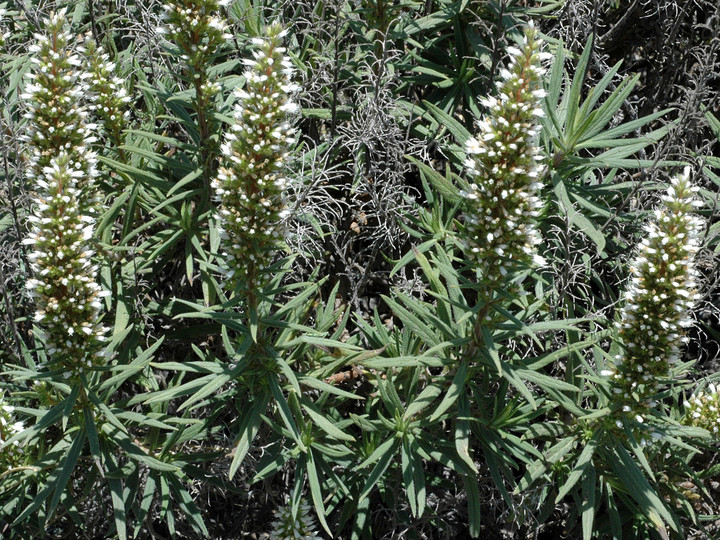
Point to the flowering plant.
(460, 375)
(662, 292)
(62, 167)
(250, 186)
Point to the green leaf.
(462, 431)
(419, 480)
(119, 516)
(545, 381)
(408, 474)
(70, 404)
(383, 454)
(413, 322)
(133, 172)
(474, 507)
(318, 384)
(536, 469)
(577, 219)
(456, 129)
(284, 410)
(639, 488)
(139, 363)
(91, 432)
(133, 451)
(422, 401)
(639, 454)
(67, 466)
(610, 136)
(588, 504)
(176, 391)
(577, 84)
(316, 491)
(323, 423)
(613, 513)
(186, 504)
(583, 463)
(46, 490)
(457, 387)
(389, 395)
(251, 419)
(447, 189)
(491, 349)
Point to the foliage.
(356, 262)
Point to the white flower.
(503, 170)
(661, 293)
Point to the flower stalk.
(62, 168)
(251, 182)
(661, 294)
(503, 169)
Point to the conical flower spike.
(662, 291)
(502, 165)
(62, 166)
(285, 527)
(251, 184)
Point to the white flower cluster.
(502, 163)
(62, 168)
(286, 528)
(662, 291)
(250, 185)
(198, 33)
(10, 454)
(703, 410)
(107, 90)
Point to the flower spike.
(11, 454)
(63, 168)
(502, 164)
(251, 184)
(703, 410)
(662, 291)
(108, 92)
(287, 527)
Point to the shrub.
(397, 309)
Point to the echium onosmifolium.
(285, 527)
(251, 181)
(10, 454)
(502, 163)
(703, 410)
(661, 293)
(62, 171)
(193, 25)
(109, 96)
